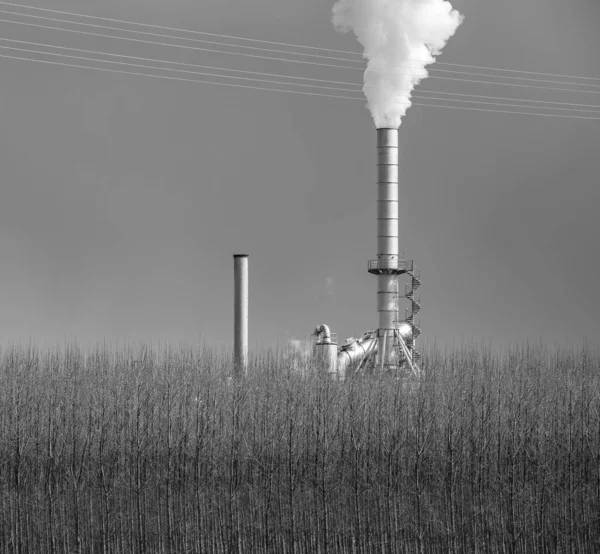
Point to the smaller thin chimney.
(240, 314)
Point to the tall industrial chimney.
(388, 264)
(240, 314)
(394, 340)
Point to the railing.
(394, 265)
(333, 336)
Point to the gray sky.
(123, 198)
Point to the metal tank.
(405, 330)
(325, 349)
(355, 352)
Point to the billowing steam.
(298, 354)
(400, 38)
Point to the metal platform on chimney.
(390, 267)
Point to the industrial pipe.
(240, 314)
(354, 352)
(323, 334)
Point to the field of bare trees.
(490, 453)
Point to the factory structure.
(392, 345)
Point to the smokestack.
(240, 314)
(388, 265)
(400, 38)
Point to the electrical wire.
(183, 46)
(203, 41)
(166, 28)
(417, 95)
(507, 112)
(174, 78)
(160, 35)
(181, 79)
(513, 99)
(262, 80)
(195, 48)
(216, 68)
(163, 27)
(187, 71)
(183, 64)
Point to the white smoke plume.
(400, 38)
(299, 348)
(298, 354)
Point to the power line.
(262, 80)
(506, 105)
(160, 35)
(135, 23)
(515, 78)
(163, 36)
(166, 28)
(507, 112)
(183, 46)
(539, 74)
(216, 68)
(181, 79)
(195, 48)
(183, 64)
(175, 78)
(513, 99)
(187, 71)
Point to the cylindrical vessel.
(326, 357)
(325, 349)
(353, 353)
(240, 314)
(387, 238)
